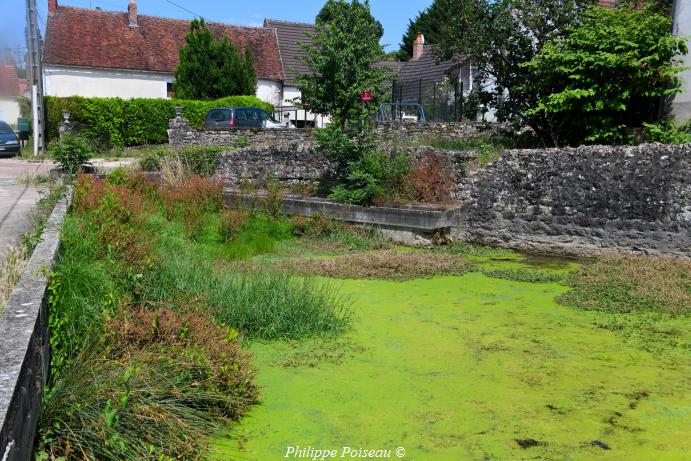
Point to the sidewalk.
(17, 200)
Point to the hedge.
(115, 122)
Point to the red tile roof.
(9, 83)
(103, 39)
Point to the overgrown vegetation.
(200, 160)
(389, 264)
(146, 334)
(632, 285)
(10, 270)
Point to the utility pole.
(35, 74)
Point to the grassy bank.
(146, 335)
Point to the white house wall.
(104, 83)
(291, 94)
(97, 83)
(269, 91)
(9, 111)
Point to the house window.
(169, 90)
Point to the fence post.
(455, 102)
(434, 101)
(419, 91)
(462, 104)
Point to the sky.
(393, 14)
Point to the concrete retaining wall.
(24, 345)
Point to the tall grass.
(262, 304)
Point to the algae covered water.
(466, 368)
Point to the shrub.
(431, 180)
(241, 142)
(71, 153)
(115, 122)
(578, 78)
(118, 177)
(667, 132)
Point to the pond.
(467, 367)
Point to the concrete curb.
(24, 344)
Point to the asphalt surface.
(17, 200)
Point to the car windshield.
(5, 128)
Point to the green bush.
(606, 77)
(115, 122)
(375, 175)
(667, 132)
(71, 153)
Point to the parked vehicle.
(242, 117)
(9, 143)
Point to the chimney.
(132, 12)
(52, 6)
(418, 46)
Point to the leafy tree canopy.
(340, 60)
(605, 77)
(212, 68)
(499, 36)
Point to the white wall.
(681, 105)
(9, 111)
(99, 83)
(269, 91)
(293, 92)
(96, 83)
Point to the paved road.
(17, 200)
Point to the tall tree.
(341, 60)
(500, 37)
(211, 68)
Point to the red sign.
(366, 96)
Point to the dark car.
(242, 117)
(9, 143)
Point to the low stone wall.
(24, 345)
(301, 163)
(181, 133)
(394, 132)
(290, 164)
(585, 201)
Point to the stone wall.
(289, 163)
(180, 133)
(395, 132)
(301, 163)
(584, 201)
(24, 345)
